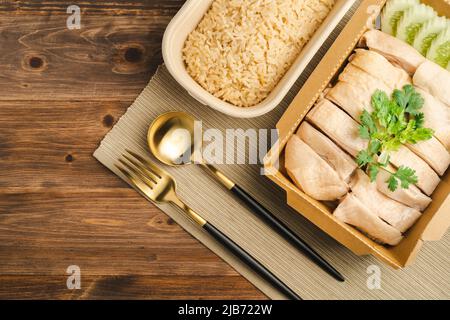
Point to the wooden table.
(61, 91)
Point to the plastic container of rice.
(241, 57)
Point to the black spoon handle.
(286, 232)
(250, 261)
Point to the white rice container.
(186, 20)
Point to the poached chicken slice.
(350, 98)
(428, 179)
(396, 51)
(437, 117)
(361, 79)
(341, 128)
(353, 212)
(412, 197)
(434, 79)
(340, 161)
(398, 215)
(354, 91)
(378, 66)
(311, 173)
(434, 153)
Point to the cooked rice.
(242, 48)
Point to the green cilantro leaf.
(406, 176)
(368, 122)
(420, 134)
(381, 106)
(408, 99)
(400, 97)
(392, 183)
(383, 159)
(373, 172)
(364, 132)
(395, 121)
(363, 158)
(415, 103)
(374, 146)
(420, 120)
(405, 135)
(392, 145)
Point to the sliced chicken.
(434, 79)
(396, 51)
(367, 72)
(311, 173)
(340, 161)
(351, 98)
(345, 132)
(434, 153)
(428, 179)
(354, 100)
(398, 215)
(341, 128)
(354, 91)
(353, 212)
(437, 117)
(361, 79)
(411, 197)
(353, 94)
(379, 67)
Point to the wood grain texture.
(60, 92)
(129, 287)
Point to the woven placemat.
(427, 278)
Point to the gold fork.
(158, 186)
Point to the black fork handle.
(250, 261)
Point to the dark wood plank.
(129, 248)
(58, 7)
(124, 247)
(50, 144)
(103, 232)
(110, 58)
(128, 287)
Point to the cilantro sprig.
(395, 121)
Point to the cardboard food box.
(435, 220)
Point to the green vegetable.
(429, 31)
(393, 122)
(408, 99)
(392, 12)
(412, 21)
(420, 26)
(364, 158)
(439, 51)
(392, 182)
(373, 172)
(405, 175)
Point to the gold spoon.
(171, 139)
